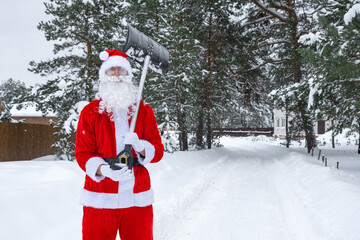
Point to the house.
(320, 127)
(30, 140)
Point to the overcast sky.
(20, 40)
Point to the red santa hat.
(114, 58)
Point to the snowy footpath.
(244, 190)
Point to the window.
(277, 122)
(283, 122)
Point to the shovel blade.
(138, 46)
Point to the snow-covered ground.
(252, 188)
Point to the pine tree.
(12, 92)
(213, 34)
(184, 71)
(286, 22)
(245, 83)
(80, 31)
(201, 90)
(336, 57)
(172, 97)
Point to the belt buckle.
(123, 159)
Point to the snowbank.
(252, 188)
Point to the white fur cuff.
(91, 167)
(149, 152)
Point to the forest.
(232, 62)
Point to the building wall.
(280, 124)
(25, 141)
(36, 120)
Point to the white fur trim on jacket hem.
(91, 167)
(149, 153)
(113, 200)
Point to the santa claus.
(116, 200)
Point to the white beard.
(115, 94)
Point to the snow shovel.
(154, 56)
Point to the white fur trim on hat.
(115, 61)
(104, 55)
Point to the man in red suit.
(116, 200)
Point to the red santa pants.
(135, 223)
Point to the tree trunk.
(302, 108)
(90, 63)
(181, 120)
(208, 129)
(332, 137)
(359, 141)
(307, 126)
(297, 74)
(181, 116)
(287, 134)
(183, 139)
(200, 130)
(208, 82)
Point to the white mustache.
(116, 95)
(126, 79)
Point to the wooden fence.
(243, 132)
(25, 141)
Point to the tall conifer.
(80, 30)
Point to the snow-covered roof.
(28, 110)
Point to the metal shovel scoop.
(154, 56)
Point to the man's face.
(116, 90)
(116, 71)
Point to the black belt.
(123, 161)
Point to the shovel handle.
(127, 150)
(128, 154)
(139, 94)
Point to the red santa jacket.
(99, 137)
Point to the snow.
(313, 91)
(252, 188)
(238, 14)
(272, 11)
(351, 13)
(62, 84)
(310, 38)
(125, 4)
(73, 119)
(29, 110)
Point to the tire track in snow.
(236, 204)
(256, 192)
(330, 205)
(183, 198)
(298, 221)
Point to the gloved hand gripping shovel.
(154, 56)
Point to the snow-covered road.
(245, 190)
(256, 191)
(240, 201)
